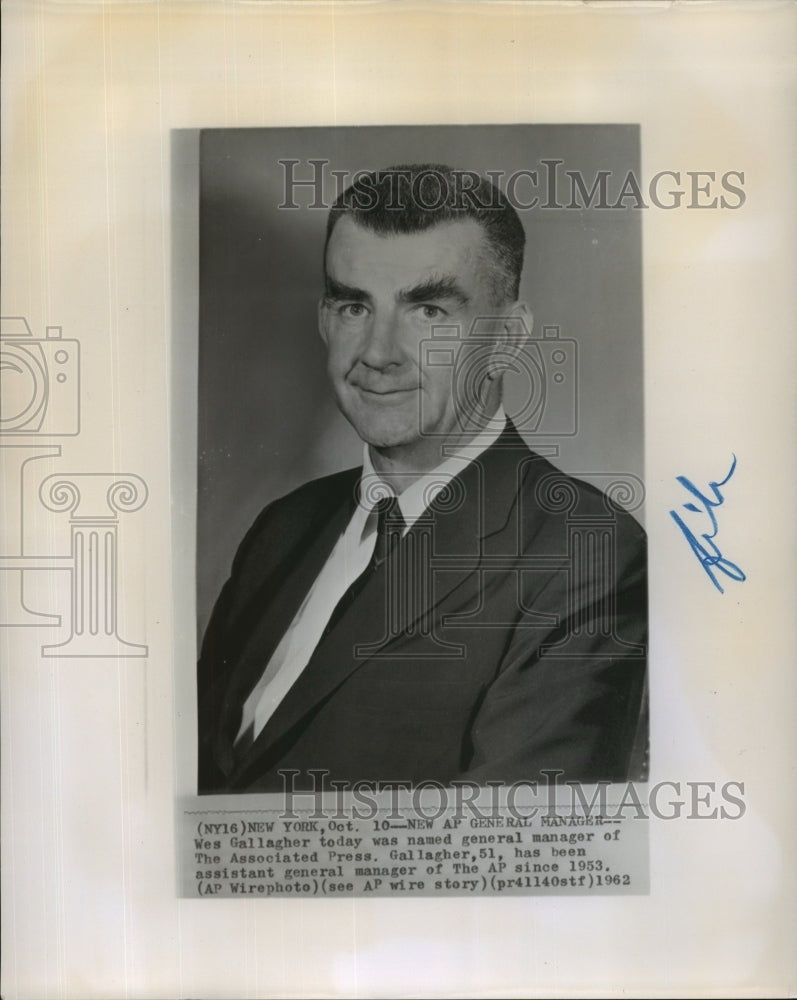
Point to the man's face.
(384, 295)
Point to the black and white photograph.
(421, 408)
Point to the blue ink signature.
(704, 546)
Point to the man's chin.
(385, 438)
(380, 428)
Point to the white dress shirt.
(348, 559)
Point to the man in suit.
(457, 609)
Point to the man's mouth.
(393, 390)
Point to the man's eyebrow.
(336, 290)
(445, 287)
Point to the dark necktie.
(389, 529)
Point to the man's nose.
(383, 342)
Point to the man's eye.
(431, 312)
(353, 309)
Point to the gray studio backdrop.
(267, 421)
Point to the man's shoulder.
(553, 491)
(321, 492)
(307, 503)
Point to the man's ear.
(519, 323)
(323, 321)
(514, 330)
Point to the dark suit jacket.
(505, 636)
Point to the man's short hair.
(415, 197)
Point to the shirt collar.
(414, 500)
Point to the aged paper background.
(91, 92)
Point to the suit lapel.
(475, 516)
(312, 548)
(443, 549)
